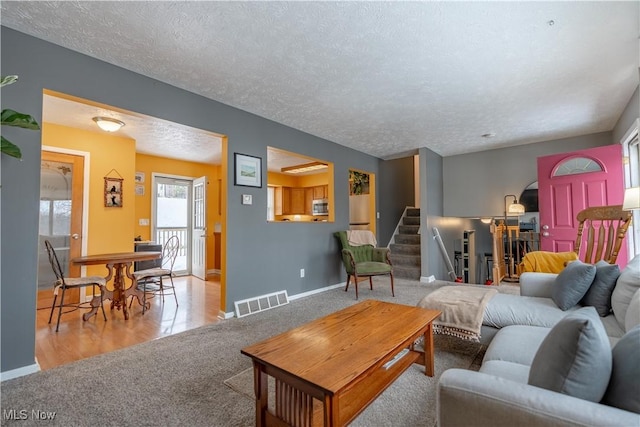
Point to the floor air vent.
(264, 302)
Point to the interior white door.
(199, 229)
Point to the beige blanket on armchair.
(462, 310)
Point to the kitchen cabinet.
(308, 201)
(320, 192)
(297, 201)
(278, 204)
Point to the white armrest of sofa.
(537, 284)
(469, 398)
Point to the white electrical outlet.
(143, 222)
(302, 272)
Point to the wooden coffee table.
(329, 370)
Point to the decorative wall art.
(139, 190)
(139, 178)
(113, 190)
(248, 170)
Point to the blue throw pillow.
(575, 357)
(572, 283)
(599, 293)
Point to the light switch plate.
(247, 199)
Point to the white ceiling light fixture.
(108, 124)
(307, 167)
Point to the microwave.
(320, 207)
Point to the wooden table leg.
(119, 300)
(97, 301)
(134, 291)
(429, 358)
(260, 382)
(106, 294)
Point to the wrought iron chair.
(157, 274)
(64, 283)
(606, 227)
(364, 261)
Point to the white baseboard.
(315, 291)
(225, 315)
(214, 271)
(19, 372)
(428, 279)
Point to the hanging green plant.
(359, 182)
(13, 118)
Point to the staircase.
(405, 251)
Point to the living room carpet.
(179, 380)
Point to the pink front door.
(571, 182)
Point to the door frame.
(154, 176)
(85, 203)
(85, 192)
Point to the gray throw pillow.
(624, 387)
(575, 357)
(627, 285)
(599, 293)
(572, 283)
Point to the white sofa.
(516, 325)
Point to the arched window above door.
(577, 165)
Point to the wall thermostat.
(247, 199)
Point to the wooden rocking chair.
(606, 227)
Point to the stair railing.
(397, 230)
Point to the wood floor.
(198, 305)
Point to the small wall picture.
(248, 170)
(139, 190)
(139, 178)
(113, 192)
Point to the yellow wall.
(113, 229)
(109, 229)
(152, 164)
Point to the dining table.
(119, 268)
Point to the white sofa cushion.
(632, 318)
(505, 310)
(627, 285)
(517, 344)
(575, 357)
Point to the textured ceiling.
(381, 77)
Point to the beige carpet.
(411, 397)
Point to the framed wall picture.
(248, 170)
(139, 178)
(113, 192)
(139, 190)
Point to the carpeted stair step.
(406, 272)
(413, 212)
(408, 239)
(408, 229)
(405, 260)
(411, 220)
(397, 248)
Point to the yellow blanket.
(546, 262)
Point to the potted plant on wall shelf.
(13, 118)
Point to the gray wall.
(475, 184)
(261, 257)
(397, 190)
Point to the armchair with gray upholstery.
(364, 261)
